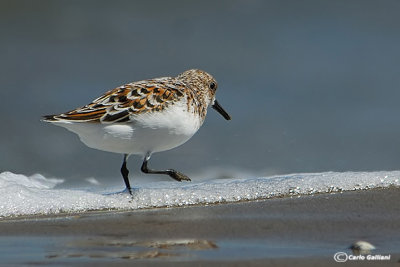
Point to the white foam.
(29, 195)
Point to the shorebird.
(145, 117)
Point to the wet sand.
(301, 231)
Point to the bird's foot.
(178, 176)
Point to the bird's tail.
(49, 118)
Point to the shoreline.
(303, 230)
(127, 210)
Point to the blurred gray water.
(311, 85)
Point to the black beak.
(220, 110)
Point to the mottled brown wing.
(120, 104)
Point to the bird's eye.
(212, 85)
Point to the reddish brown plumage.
(124, 102)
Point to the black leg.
(125, 172)
(172, 173)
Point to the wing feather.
(123, 103)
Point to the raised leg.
(125, 172)
(172, 173)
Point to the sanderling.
(144, 117)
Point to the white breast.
(148, 132)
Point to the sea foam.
(36, 194)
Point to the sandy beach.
(306, 230)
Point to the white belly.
(149, 132)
